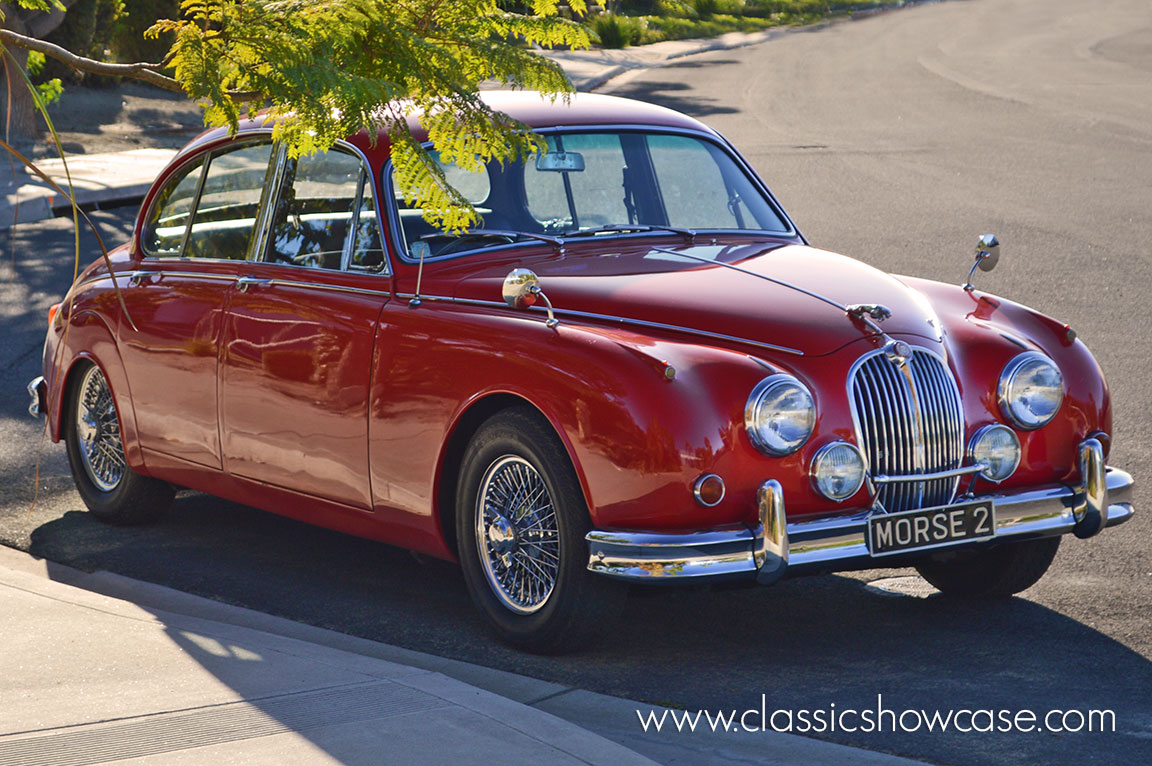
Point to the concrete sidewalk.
(99, 668)
(86, 678)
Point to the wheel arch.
(91, 341)
(464, 426)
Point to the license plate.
(931, 527)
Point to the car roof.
(532, 108)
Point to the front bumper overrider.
(777, 547)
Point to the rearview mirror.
(560, 162)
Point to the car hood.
(775, 298)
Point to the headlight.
(779, 415)
(838, 471)
(1031, 390)
(997, 447)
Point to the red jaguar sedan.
(635, 369)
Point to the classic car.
(636, 369)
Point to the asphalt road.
(898, 139)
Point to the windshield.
(601, 183)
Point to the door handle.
(137, 278)
(243, 283)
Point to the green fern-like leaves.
(331, 68)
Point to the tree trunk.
(19, 119)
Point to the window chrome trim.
(262, 221)
(541, 313)
(268, 199)
(707, 135)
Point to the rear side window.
(168, 223)
(229, 200)
(212, 213)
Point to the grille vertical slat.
(909, 422)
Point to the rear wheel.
(520, 522)
(998, 572)
(113, 492)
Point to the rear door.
(194, 241)
(300, 332)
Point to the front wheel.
(113, 492)
(998, 572)
(520, 522)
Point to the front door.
(300, 333)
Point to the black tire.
(519, 445)
(998, 572)
(113, 492)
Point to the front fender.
(86, 335)
(638, 438)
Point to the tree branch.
(142, 71)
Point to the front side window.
(323, 211)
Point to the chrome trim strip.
(334, 288)
(607, 318)
(823, 544)
(142, 274)
(962, 471)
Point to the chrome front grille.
(909, 421)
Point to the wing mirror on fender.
(522, 288)
(987, 256)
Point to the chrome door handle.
(136, 278)
(243, 283)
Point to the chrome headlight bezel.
(981, 435)
(758, 428)
(1013, 404)
(823, 454)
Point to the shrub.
(617, 31)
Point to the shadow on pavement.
(666, 90)
(805, 644)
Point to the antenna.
(419, 249)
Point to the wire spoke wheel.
(517, 535)
(98, 432)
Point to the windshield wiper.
(628, 227)
(457, 242)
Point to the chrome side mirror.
(522, 288)
(987, 252)
(987, 256)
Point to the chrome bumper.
(37, 390)
(776, 547)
